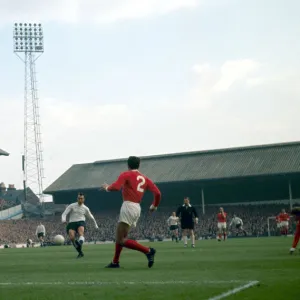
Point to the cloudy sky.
(144, 77)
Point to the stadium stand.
(257, 173)
(149, 226)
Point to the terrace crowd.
(149, 226)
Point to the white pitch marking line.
(121, 282)
(235, 290)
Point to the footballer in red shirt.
(296, 212)
(222, 225)
(277, 219)
(284, 222)
(133, 184)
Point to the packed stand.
(149, 226)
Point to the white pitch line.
(99, 283)
(235, 290)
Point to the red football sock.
(296, 237)
(220, 236)
(118, 250)
(225, 236)
(134, 245)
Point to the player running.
(40, 233)
(188, 217)
(238, 223)
(173, 226)
(284, 222)
(133, 184)
(222, 225)
(77, 212)
(296, 212)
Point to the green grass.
(199, 273)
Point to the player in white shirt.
(40, 233)
(77, 212)
(238, 223)
(173, 226)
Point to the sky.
(143, 77)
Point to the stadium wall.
(13, 213)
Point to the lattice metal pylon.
(29, 46)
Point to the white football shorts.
(130, 213)
(284, 224)
(222, 225)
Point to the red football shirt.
(221, 218)
(133, 185)
(283, 217)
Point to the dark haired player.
(284, 219)
(133, 184)
(77, 212)
(222, 224)
(40, 233)
(296, 212)
(188, 217)
(173, 226)
(238, 223)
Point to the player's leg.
(176, 234)
(172, 233)
(123, 230)
(72, 237)
(129, 216)
(121, 234)
(219, 231)
(224, 229)
(41, 240)
(184, 236)
(243, 231)
(80, 231)
(286, 229)
(296, 239)
(192, 235)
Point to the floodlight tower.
(29, 46)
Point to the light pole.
(28, 41)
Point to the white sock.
(81, 238)
(185, 240)
(193, 239)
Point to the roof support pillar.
(203, 201)
(290, 194)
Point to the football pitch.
(248, 269)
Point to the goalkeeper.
(296, 212)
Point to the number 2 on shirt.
(141, 181)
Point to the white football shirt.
(77, 213)
(40, 229)
(172, 221)
(236, 221)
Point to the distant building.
(3, 153)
